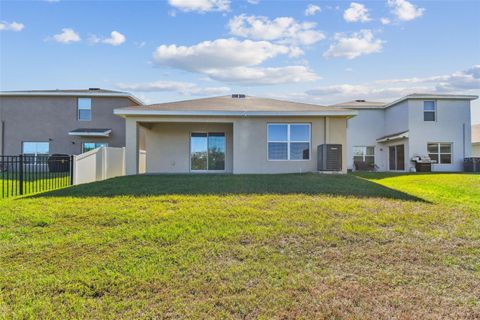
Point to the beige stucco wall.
(50, 118)
(476, 149)
(168, 145)
(167, 142)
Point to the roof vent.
(92, 89)
(238, 96)
(359, 100)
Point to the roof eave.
(132, 112)
(72, 94)
(435, 97)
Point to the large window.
(35, 152)
(364, 154)
(84, 109)
(288, 141)
(429, 111)
(207, 151)
(87, 146)
(440, 152)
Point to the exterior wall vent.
(238, 96)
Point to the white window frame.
(36, 153)
(190, 152)
(438, 153)
(83, 143)
(364, 154)
(430, 111)
(288, 141)
(78, 109)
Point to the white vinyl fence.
(99, 164)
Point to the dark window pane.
(428, 116)
(299, 132)
(358, 159)
(433, 157)
(277, 132)
(445, 158)
(277, 151)
(370, 151)
(84, 114)
(299, 151)
(370, 159)
(199, 151)
(432, 148)
(216, 151)
(445, 148)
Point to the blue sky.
(317, 51)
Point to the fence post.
(72, 160)
(20, 162)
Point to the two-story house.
(61, 121)
(389, 135)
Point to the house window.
(429, 111)
(288, 141)
(440, 152)
(207, 151)
(84, 109)
(364, 154)
(87, 146)
(35, 152)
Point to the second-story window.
(429, 111)
(84, 109)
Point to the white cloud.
(356, 13)
(183, 88)
(351, 47)
(200, 5)
(233, 61)
(217, 54)
(115, 39)
(67, 36)
(385, 21)
(312, 10)
(468, 79)
(405, 10)
(264, 76)
(11, 26)
(253, 1)
(465, 81)
(285, 30)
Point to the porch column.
(131, 146)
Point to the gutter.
(137, 112)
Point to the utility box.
(329, 157)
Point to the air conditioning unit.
(329, 157)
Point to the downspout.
(464, 141)
(3, 138)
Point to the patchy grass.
(282, 246)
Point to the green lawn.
(310, 246)
(33, 182)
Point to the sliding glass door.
(396, 156)
(207, 151)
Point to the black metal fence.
(28, 174)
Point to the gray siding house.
(61, 121)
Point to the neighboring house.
(476, 140)
(389, 135)
(233, 134)
(61, 121)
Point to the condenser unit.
(329, 157)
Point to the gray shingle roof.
(360, 104)
(227, 103)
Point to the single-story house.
(235, 134)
